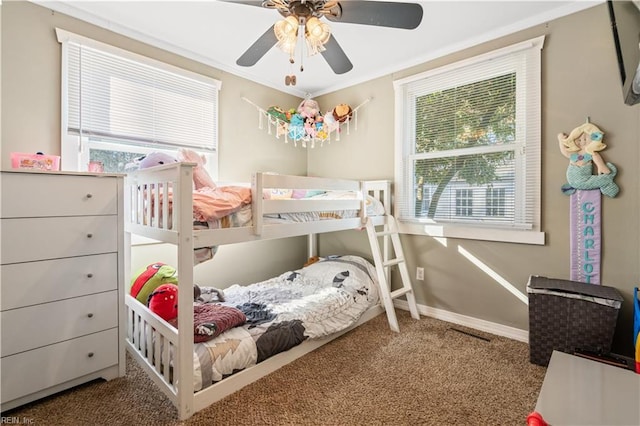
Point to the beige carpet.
(429, 374)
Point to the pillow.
(306, 193)
(210, 320)
(277, 194)
(374, 206)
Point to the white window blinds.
(115, 95)
(469, 141)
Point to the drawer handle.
(89, 195)
(89, 235)
(90, 354)
(89, 275)
(90, 315)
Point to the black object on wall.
(625, 26)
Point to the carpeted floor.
(428, 374)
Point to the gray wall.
(579, 79)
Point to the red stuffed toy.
(164, 301)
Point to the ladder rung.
(400, 292)
(393, 262)
(383, 233)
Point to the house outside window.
(464, 202)
(118, 106)
(468, 134)
(495, 200)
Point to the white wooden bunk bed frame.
(177, 228)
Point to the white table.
(579, 391)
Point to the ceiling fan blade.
(258, 49)
(248, 3)
(335, 57)
(380, 13)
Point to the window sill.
(473, 233)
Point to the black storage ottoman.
(568, 315)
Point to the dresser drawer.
(25, 240)
(33, 283)
(40, 325)
(37, 195)
(39, 369)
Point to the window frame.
(404, 179)
(75, 148)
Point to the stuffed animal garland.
(307, 121)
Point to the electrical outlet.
(420, 273)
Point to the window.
(468, 148)
(118, 106)
(495, 198)
(464, 202)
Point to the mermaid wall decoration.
(582, 147)
(585, 189)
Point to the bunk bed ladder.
(383, 265)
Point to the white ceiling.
(217, 33)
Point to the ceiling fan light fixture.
(314, 47)
(317, 34)
(317, 30)
(287, 45)
(286, 32)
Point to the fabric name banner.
(585, 247)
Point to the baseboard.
(471, 322)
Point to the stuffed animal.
(296, 127)
(308, 108)
(277, 113)
(342, 113)
(208, 294)
(330, 123)
(163, 301)
(146, 280)
(310, 127)
(201, 178)
(156, 159)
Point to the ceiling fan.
(301, 14)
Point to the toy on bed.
(147, 280)
(156, 287)
(209, 319)
(156, 159)
(207, 294)
(164, 301)
(201, 178)
(152, 159)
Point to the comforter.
(282, 312)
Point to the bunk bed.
(168, 356)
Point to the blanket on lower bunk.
(318, 300)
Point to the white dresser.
(62, 270)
